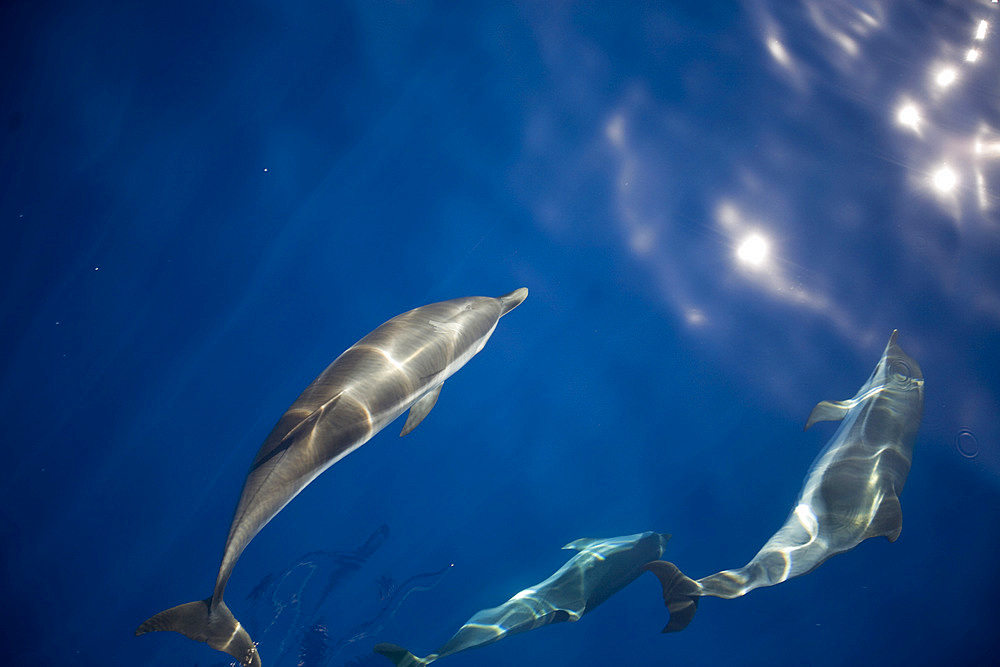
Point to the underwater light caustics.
(753, 251)
(909, 116)
(851, 492)
(946, 76)
(399, 366)
(944, 179)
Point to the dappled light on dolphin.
(851, 492)
(400, 365)
(601, 568)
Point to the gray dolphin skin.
(851, 492)
(600, 569)
(400, 365)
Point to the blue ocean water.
(721, 210)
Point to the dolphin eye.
(900, 371)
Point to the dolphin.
(851, 491)
(400, 365)
(601, 568)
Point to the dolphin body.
(400, 365)
(851, 492)
(600, 569)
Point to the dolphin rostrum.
(401, 364)
(851, 492)
(600, 569)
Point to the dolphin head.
(898, 369)
(899, 395)
(512, 300)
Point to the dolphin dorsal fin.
(421, 409)
(828, 411)
(582, 543)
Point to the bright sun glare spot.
(972, 56)
(944, 179)
(909, 116)
(694, 316)
(981, 30)
(778, 51)
(753, 250)
(946, 77)
(992, 148)
(614, 130)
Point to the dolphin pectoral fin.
(680, 593)
(219, 629)
(399, 655)
(828, 411)
(888, 519)
(421, 409)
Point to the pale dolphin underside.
(600, 569)
(400, 365)
(851, 492)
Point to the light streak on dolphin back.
(399, 366)
(851, 492)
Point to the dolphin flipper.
(219, 629)
(888, 519)
(680, 593)
(421, 409)
(828, 411)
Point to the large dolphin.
(600, 569)
(400, 365)
(851, 492)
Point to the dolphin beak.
(509, 302)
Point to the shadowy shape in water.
(313, 649)
(392, 597)
(272, 588)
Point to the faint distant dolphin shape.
(851, 492)
(399, 365)
(602, 568)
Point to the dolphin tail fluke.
(400, 656)
(680, 593)
(198, 621)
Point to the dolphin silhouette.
(600, 569)
(400, 365)
(851, 492)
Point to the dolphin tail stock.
(680, 593)
(198, 621)
(400, 656)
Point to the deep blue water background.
(203, 204)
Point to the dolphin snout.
(509, 302)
